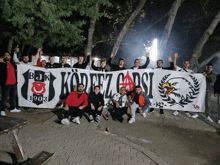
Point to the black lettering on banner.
(159, 104)
(143, 82)
(31, 75)
(37, 99)
(109, 76)
(64, 84)
(100, 82)
(72, 78)
(84, 83)
(151, 86)
(92, 75)
(118, 80)
(136, 75)
(39, 76)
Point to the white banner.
(44, 88)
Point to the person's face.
(80, 59)
(186, 64)
(1, 59)
(97, 90)
(41, 52)
(137, 63)
(43, 63)
(103, 64)
(64, 59)
(159, 64)
(209, 68)
(51, 60)
(25, 59)
(138, 90)
(80, 88)
(123, 91)
(121, 62)
(7, 57)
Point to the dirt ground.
(176, 146)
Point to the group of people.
(124, 103)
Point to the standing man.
(121, 104)
(217, 94)
(102, 67)
(51, 64)
(96, 103)
(114, 66)
(186, 65)
(26, 58)
(64, 63)
(8, 84)
(160, 66)
(210, 80)
(75, 105)
(81, 64)
(137, 63)
(141, 100)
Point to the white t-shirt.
(184, 70)
(117, 97)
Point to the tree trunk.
(90, 35)
(126, 27)
(169, 25)
(205, 62)
(10, 43)
(21, 51)
(206, 34)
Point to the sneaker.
(15, 110)
(161, 112)
(209, 119)
(131, 120)
(144, 114)
(195, 115)
(218, 122)
(97, 118)
(187, 114)
(65, 121)
(91, 118)
(76, 120)
(152, 110)
(3, 113)
(175, 113)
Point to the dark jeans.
(119, 112)
(74, 112)
(95, 112)
(11, 90)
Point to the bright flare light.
(96, 59)
(153, 51)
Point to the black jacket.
(83, 65)
(217, 84)
(64, 66)
(55, 65)
(98, 68)
(96, 100)
(145, 65)
(169, 68)
(114, 67)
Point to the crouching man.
(140, 100)
(121, 104)
(96, 103)
(75, 105)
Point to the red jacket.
(73, 100)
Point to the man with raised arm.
(102, 67)
(26, 58)
(140, 100)
(160, 66)
(115, 67)
(137, 63)
(75, 105)
(81, 64)
(186, 65)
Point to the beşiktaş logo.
(38, 86)
(178, 90)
